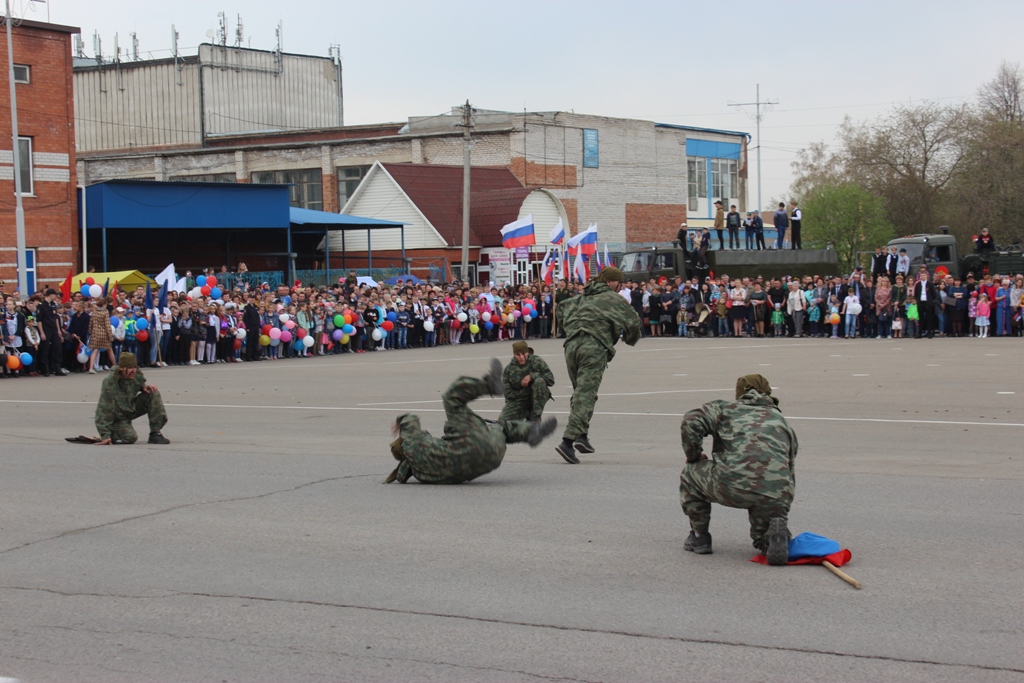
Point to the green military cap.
(610, 274)
(757, 383)
(127, 360)
(521, 347)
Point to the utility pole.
(758, 105)
(467, 145)
(19, 210)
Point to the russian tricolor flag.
(584, 242)
(558, 233)
(581, 268)
(548, 271)
(518, 233)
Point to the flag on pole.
(149, 297)
(597, 260)
(564, 261)
(113, 292)
(808, 548)
(581, 269)
(547, 270)
(518, 233)
(163, 295)
(181, 285)
(584, 242)
(106, 286)
(607, 260)
(65, 289)
(558, 234)
(167, 274)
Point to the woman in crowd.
(100, 335)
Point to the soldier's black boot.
(157, 437)
(493, 379)
(699, 545)
(778, 542)
(565, 450)
(582, 444)
(541, 430)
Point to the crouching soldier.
(471, 446)
(527, 381)
(752, 467)
(125, 396)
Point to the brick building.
(46, 132)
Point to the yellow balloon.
(474, 328)
(344, 339)
(264, 340)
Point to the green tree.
(847, 218)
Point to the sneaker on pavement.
(699, 545)
(778, 542)
(582, 444)
(565, 450)
(541, 430)
(493, 379)
(157, 437)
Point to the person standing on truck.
(983, 243)
(748, 231)
(758, 226)
(732, 222)
(720, 223)
(794, 234)
(781, 223)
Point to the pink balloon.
(286, 337)
(290, 324)
(516, 314)
(275, 333)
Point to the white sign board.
(501, 265)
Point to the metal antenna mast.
(760, 108)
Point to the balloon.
(854, 308)
(284, 317)
(275, 342)
(456, 324)
(266, 329)
(13, 362)
(527, 318)
(264, 340)
(834, 319)
(115, 321)
(89, 281)
(85, 290)
(286, 300)
(485, 316)
(348, 329)
(339, 320)
(344, 339)
(527, 309)
(337, 335)
(95, 291)
(26, 358)
(488, 325)
(205, 290)
(83, 357)
(516, 314)
(428, 326)
(474, 328)
(142, 335)
(238, 344)
(239, 334)
(201, 281)
(392, 316)
(290, 324)
(463, 317)
(275, 333)
(141, 324)
(286, 336)
(308, 341)
(377, 335)
(348, 318)
(388, 325)
(216, 293)
(301, 333)
(212, 281)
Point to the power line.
(767, 106)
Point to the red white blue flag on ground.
(518, 233)
(808, 548)
(558, 233)
(584, 242)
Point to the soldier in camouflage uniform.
(593, 322)
(752, 467)
(125, 396)
(471, 447)
(526, 380)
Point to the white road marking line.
(991, 354)
(682, 374)
(4, 679)
(933, 365)
(764, 365)
(861, 374)
(834, 355)
(553, 412)
(1006, 393)
(898, 348)
(490, 398)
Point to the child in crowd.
(779, 321)
(128, 323)
(984, 311)
(912, 317)
(850, 304)
(403, 323)
(833, 310)
(814, 317)
(972, 314)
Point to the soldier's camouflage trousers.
(527, 407)
(586, 360)
(699, 488)
(145, 404)
(460, 418)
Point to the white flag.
(166, 275)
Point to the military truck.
(642, 265)
(939, 253)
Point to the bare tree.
(1002, 98)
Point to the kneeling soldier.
(124, 397)
(526, 380)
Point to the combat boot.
(158, 438)
(541, 430)
(778, 542)
(582, 444)
(565, 450)
(493, 378)
(699, 545)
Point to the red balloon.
(89, 281)
(388, 325)
(301, 332)
(347, 313)
(455, 323)
(266, 329)
(142, 335)
(238, 344)
(206, 290)
(211, 280)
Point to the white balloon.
(95, 291)
(854, 308)
(239, 334)
(485, 316)
(83, 358)
(284, 317)
(527, 318)
(307, 341)
(428, 326)
(377, 336)
(463, 317)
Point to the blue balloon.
(392, 316)
(286, 300)
(85, 290)
(215, 293)
(383, 332)
(489, 325)
(115, 321)
(141, 324)
(26, 359)
(201, 281)
(348, 329)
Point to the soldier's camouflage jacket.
(512, 377)
(117, 401)
(601, 314)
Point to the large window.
(696, 180)
(306, 191)
(349, 178)
(724, 179)
(25, 165)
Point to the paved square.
(261, 546)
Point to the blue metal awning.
(338, 221)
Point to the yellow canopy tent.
(125, 279)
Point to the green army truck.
(642, 265)
(940, 253)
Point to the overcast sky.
(671, 62)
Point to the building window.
(591, 151)
(22, 73)
(724, 178)
(349, 178)
(25, 165)
(696, 180)
(206, 178)
(306, 191)
(30, 269)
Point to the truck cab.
(936, 252)
(655, 262)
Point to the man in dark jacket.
(926, 296)
(878, 264)
(781, 219)
(51, 336)
(251, 318)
